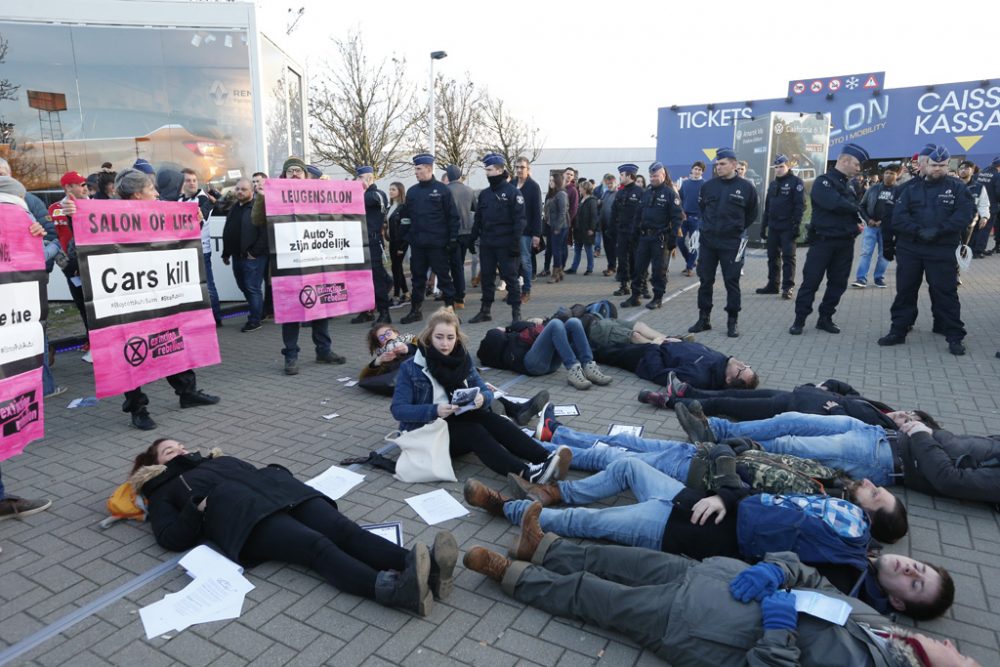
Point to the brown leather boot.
(531, 535)
(484, 561)
(478, 494)
(546, 494)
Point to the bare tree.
(507, 135)
(362, 113)
(458, 130)
(8, 91)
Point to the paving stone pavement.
(56, 562)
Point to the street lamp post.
(435, 55)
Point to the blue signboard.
(888, 122)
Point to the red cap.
(72, 178)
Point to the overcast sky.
(589, 79)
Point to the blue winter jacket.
(413, 400)
(698, 365)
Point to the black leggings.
(498, 442)
(741, 404)
(316, 535)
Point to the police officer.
(728, 206)
(836, 221)
(988, 178)
(376, 203)
(928, 221)
(430, 225)
(783, 208)
(624, 210)
(658, 222)
(499, 223)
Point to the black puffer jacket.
(953, 465)
(239, 496)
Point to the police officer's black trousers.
(626, 255)
(781, 258)
(832, 258)
(650, 250)
(710, 258)
(380, 277)
(491, 259)
(457, 263)
(913, 262)
(435, 259)
(611, 247)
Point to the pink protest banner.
(23, 309)
(321, 262)
(144, 286)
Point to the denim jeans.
(597, 452)
(861, 450)
(249, 274)
(871, 240)
(559, 249)
(577, 251)
(213, 294)
(558, 343)
(640, 525)
(598, 240)
(320, 337)
(526, 255)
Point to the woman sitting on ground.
(260, 514)
(389, 349)
(424, 391)
(535, 347)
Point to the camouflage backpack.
(778, 473)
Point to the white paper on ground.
(436, 506)
(623, 428)
(392, 531)
(335, 482)
(203, 560)
(351, 383)
(343, 379)
(821, 606)
(566, 410)
(332, 415)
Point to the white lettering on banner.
(303, 245)
(714, 118)
(861, 114)
(962, 121)
(958, 111)
(21, 333)
(134, 282)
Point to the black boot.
(142, 421)
(630, 302)
(621, 291)
(515, 313)
(769, 288)
(703, 323)
(797, 326)
(362, 317)
(383, 317)
(407, 589)
(413, 316)
(483, 316)
(827, 324)
(657, 302)
(731, 329)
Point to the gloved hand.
(473, 247)
(777, 611)
(756, 582)
(889, 251)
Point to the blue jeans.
(320, 338)
(213, 294)
(526, 255)
(598, 239)
(559, 247)
(249, 274)
(640, 525)
(577, 251)
(558, 343)
(596, 452)
(871, 240)
(861, 450)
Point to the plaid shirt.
(846, 519)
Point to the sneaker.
(654, 398)
(248, 328)
(56, 392)
(860, 284)
(541, 473)
(13, 507)
(291, 366)
(330, 358)
(593, 372)
(142, 421)
(880, 282)
(547, 423)
(676, 388)
(576, 378)
(197, 398)
(87, 357)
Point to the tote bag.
(424, 454)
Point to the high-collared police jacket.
(660, 211)
(625, 207)
(728, 207)
(500, 216)
(934, 212)
(989, 179)
(784, 203)
(430, 218)
(835, 207)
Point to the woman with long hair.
(397, 246)
(424, 391)
(557, 210)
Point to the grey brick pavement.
(58, 561)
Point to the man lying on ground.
(694, 363)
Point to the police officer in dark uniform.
(430, 225)
(659, 220)
(928, 221)
(988, 178)
(728, 206)
(836, 221)
(376, 203)
(624, 210)
(499, 223)
(783, 208)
